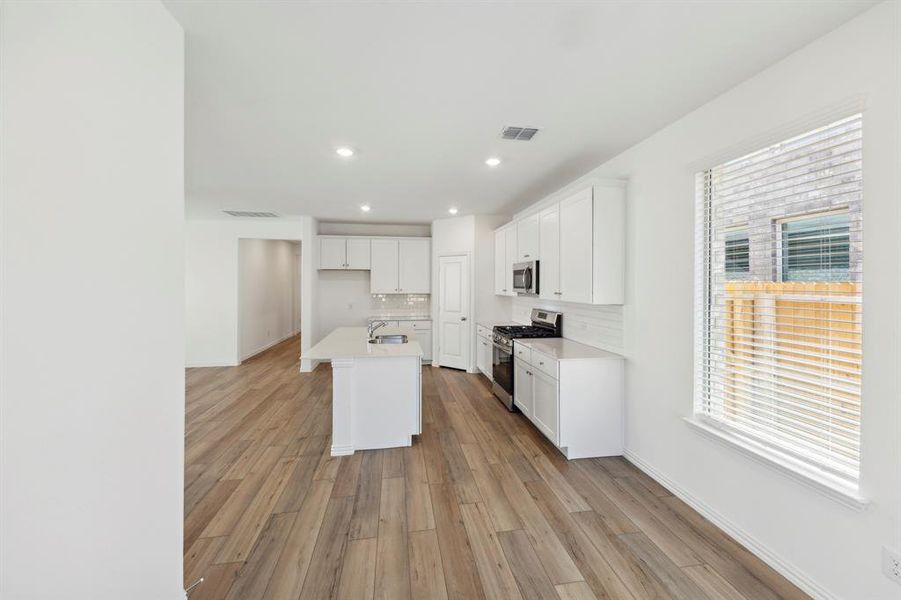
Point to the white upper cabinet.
(358, 254)
(527, 239)
(332, 253)
(344, 253)
(576, 250)
(579, 241)
(609, 245)
(510, 258)
(385, 267)
(505, 257)
(549, 251)
(401, 266)
(415, 259)
(500, 262)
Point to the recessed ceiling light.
(365, 208)
(345, 152)
(493, 161)
(452, 211)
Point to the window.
(816, 248)
(737, 254)
(779, 300)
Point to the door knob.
(462, 318)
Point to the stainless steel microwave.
(525, 278)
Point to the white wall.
(832, 550)
(489, 307)
(267, 273)
(472, 235)
(387, 229)
(344, 299)
(91, 379)
(211, 283)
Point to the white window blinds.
(778, 299)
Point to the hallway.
(480, 506)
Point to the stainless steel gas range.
(545, 323)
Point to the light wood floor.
(481, 506)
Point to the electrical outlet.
(891, 564)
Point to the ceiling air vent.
(523, 134)
(251, 213)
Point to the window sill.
(811, 477)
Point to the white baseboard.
(774, 560)
(342, 450)
(267, 346)
(203, 365)
(307, 365)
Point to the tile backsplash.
(598, 326)
(417, 304)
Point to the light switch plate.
(891, 564)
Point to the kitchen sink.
(388, 339)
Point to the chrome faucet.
(375, 325)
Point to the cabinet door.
(482, 360)
(546, 411)
(549, 250)
(500, 262)
(522, 387)
(357, 254)
(527, 239)
(424, 337)
(576, 247)
(332, 253)
(510, 256)
(415, 267)
(383, 279)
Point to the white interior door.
(454, 327)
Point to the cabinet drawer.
(418, 325)
(485, 332)
(544, 363)
(521, 352)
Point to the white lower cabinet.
(572, 393)
(484, 351)
(546, 408)
(522, 387)
(424, 337)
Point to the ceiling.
(422, 90)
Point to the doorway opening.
(269, 295)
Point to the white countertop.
(399, 317)
(563, 349)
(352, 342)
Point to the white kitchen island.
(376, 388)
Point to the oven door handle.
(502, 348)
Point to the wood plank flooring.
(481, 506)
